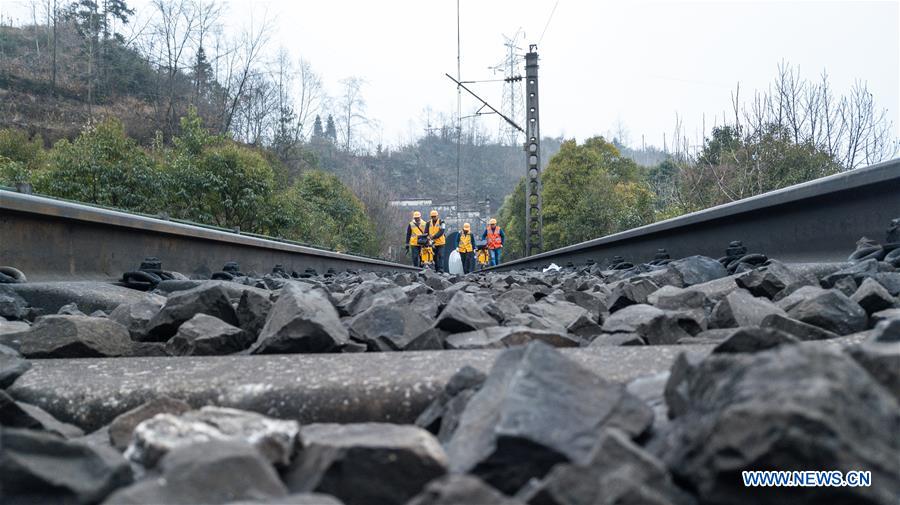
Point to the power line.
(458, 111)
(541, 39)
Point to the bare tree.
(375, 194)
(51, 13)
(300, 97)
(351, 108)
(173, 28)
(286, 127)
(851, 128)
(240, 66)
(33, 5)
(311, 98)
(620, 133)
(256, 120)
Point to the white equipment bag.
(456, 266)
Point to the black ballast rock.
(537, 408)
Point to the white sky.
(602, 62)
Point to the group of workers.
(426, 241)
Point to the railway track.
(50, 239)
(820, 220)
(816, 221)
(651, 384)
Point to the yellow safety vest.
(427, 255)
(433, 229)
(465, 242)
(416, 230)
(483, 257)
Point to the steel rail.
(819, 220)
(50, 239)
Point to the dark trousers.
(466, 261)
(438, 256)
(416, 259)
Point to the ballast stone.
(751, 339)
(882, 361)
(388, 327)
(366, 463)
(12, 306)
(152, 439)
(735, 412)
(181, 306)
(833, 311)
(136, 316)
(740, 308)
(872, 296)
(302, 320)
(798, 329)
(122, 427)
(618, 472)
(11, 368)
(204, 335)
(773, 278)
(653, 325)
(15, 414)
(698, 269)
(366, 295)
(39, 467)
(537, 408)
(75, 337)
(252, 310)
(574, 318)
(887, 331)
(441, 417)
(461, 490)
(498, 337)
(210, 472)
(464, 313)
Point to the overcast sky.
(602, 63)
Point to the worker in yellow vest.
(495, 238)
(415, 229)
(435, 228)
(465, 247)
(483, 256)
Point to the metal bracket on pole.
(489, 106)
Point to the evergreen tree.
(318, 132)
(94, 23)
(589, 190)
(330, 129)
(93, 20)
(203, 72)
